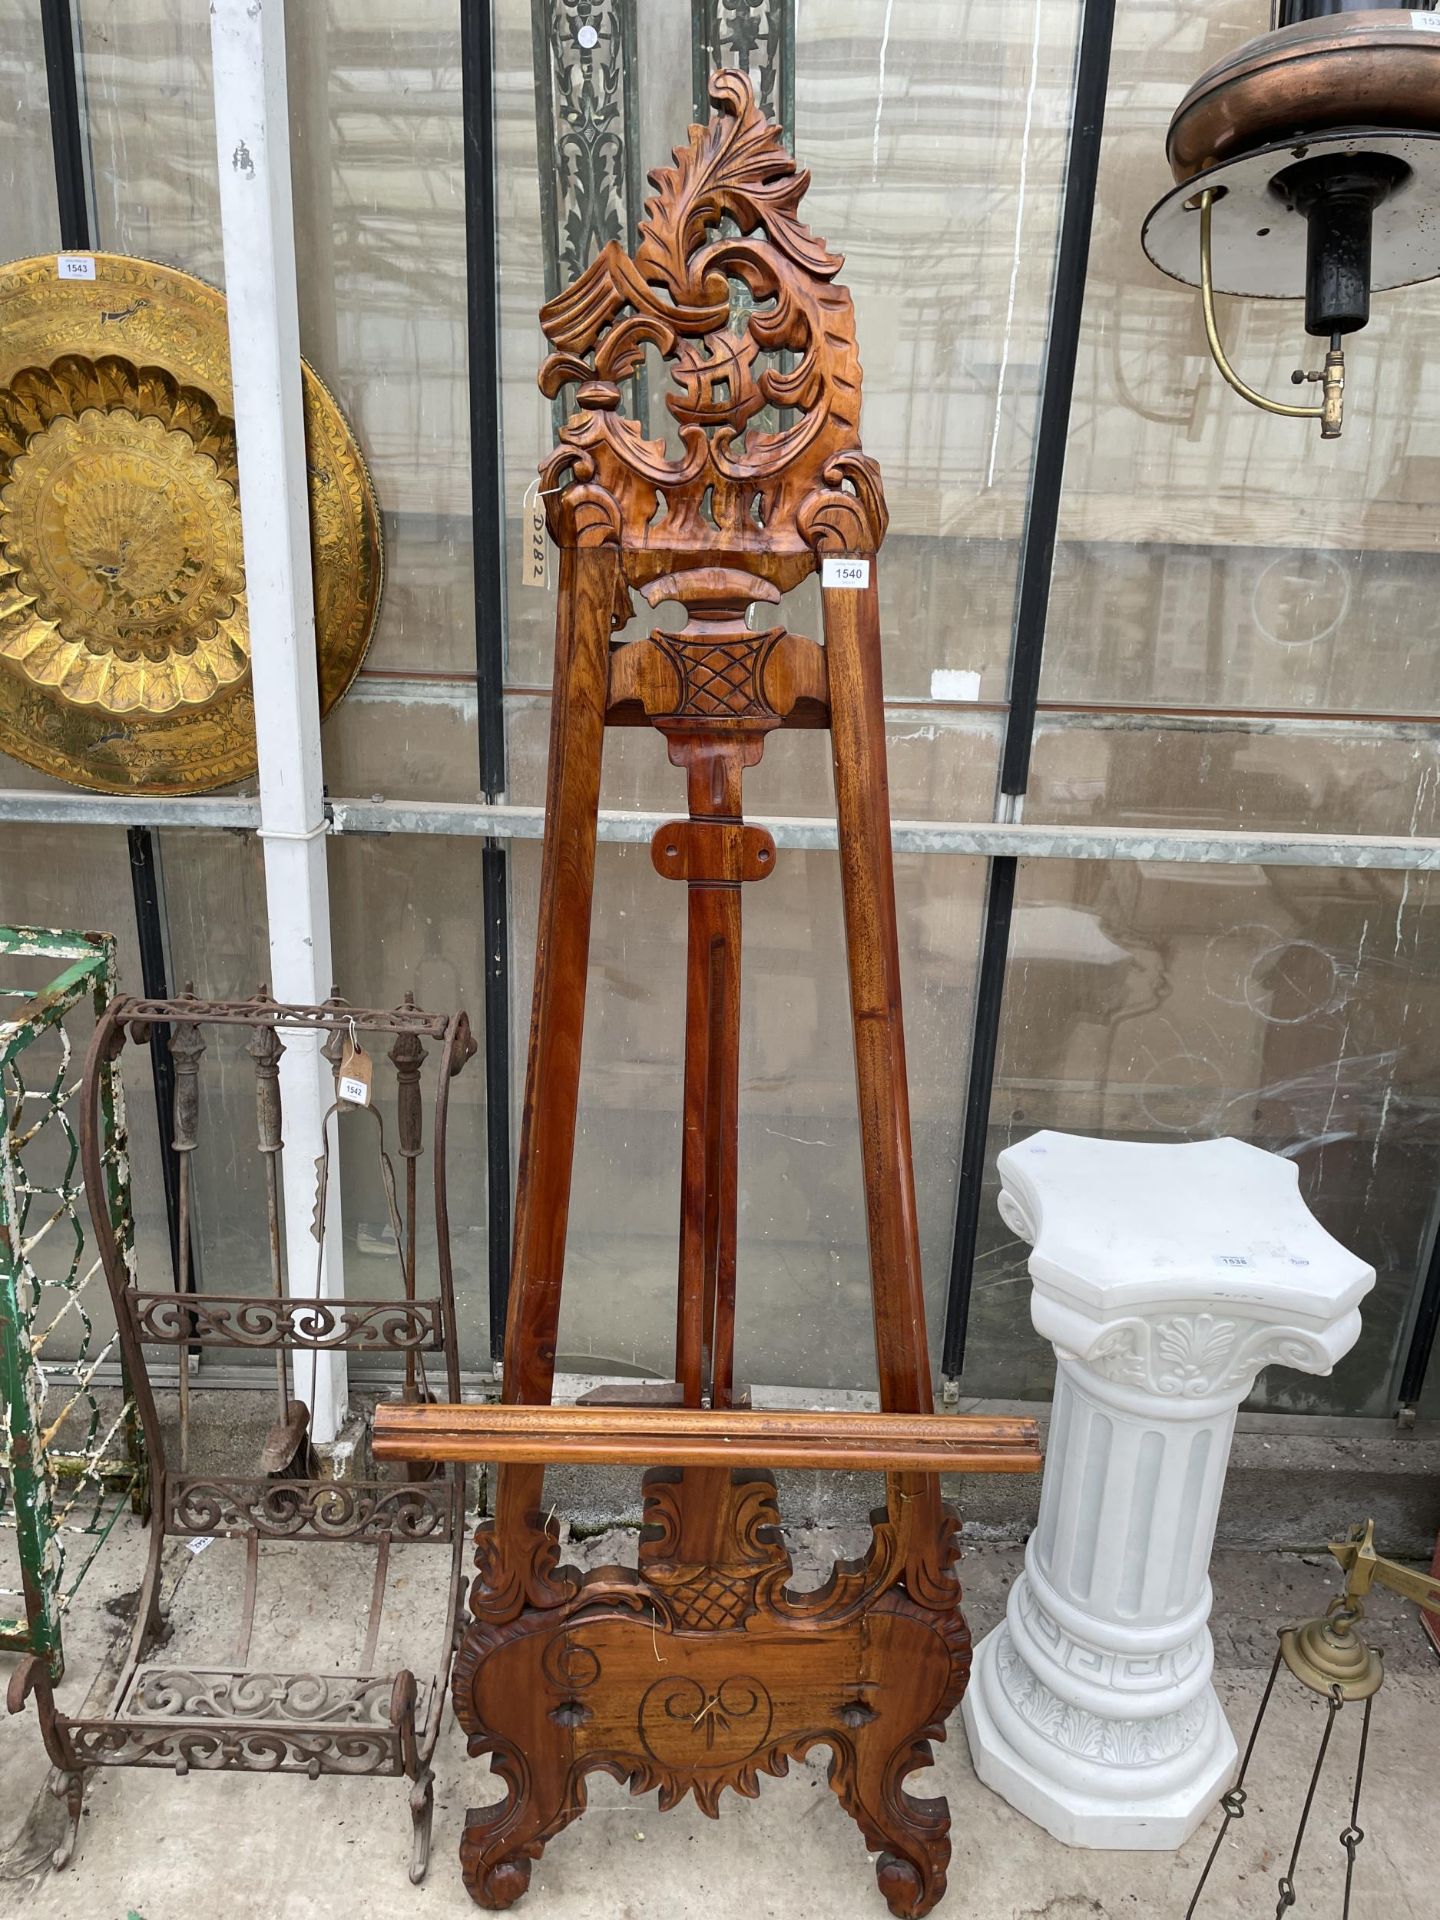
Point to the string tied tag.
(535, 544)
(357, 1072)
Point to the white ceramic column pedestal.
(1167, 1277)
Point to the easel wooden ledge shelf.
(695, 1437)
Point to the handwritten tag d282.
(536, 552)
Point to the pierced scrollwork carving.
(696, 1654)
(512, 1574)
(736, 490)
(310, 1510)
(245, 1320)
(698, 1710)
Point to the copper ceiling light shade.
(1307, 164)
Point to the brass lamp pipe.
(1330, 413)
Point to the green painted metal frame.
(47, 1494)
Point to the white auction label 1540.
(844, 573)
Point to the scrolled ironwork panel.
(335, 1016)
(586, 58)
(350, 1510)
(234, 1748)
(255, 1694)
(250, 1320)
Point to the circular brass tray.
(124, 638)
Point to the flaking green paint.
(29, 1474)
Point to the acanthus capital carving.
(1184, 1355)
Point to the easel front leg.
(862, 804)
(867, 869)
(513, 1556)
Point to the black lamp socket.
(1338, 193)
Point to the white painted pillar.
(252, 132)
(1167, 1277)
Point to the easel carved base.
(690, 1677)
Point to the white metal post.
(252, 132)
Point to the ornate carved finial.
(738, 495)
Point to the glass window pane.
(73, 880)
(1292, 1007)
(147, 97)
(803, 1308)
(29, 222)
(1298, 776)
(1213, 555)
(377, 135)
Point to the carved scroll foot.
(911, 1836)
(908, 1890)
(496, 1884)
(501, 1844)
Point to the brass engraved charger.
(124, 637)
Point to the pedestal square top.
(1117, 1224)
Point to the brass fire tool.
(1331, 1656)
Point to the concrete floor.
(156, 1848)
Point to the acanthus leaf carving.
(1127, 1742)
(515, 1573)
(713, 302)
(736, 164)
(1192, 1356)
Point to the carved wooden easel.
(703, 1669)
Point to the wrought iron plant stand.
(229, 1715)
(705, 1667)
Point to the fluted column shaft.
(1166, 1278)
